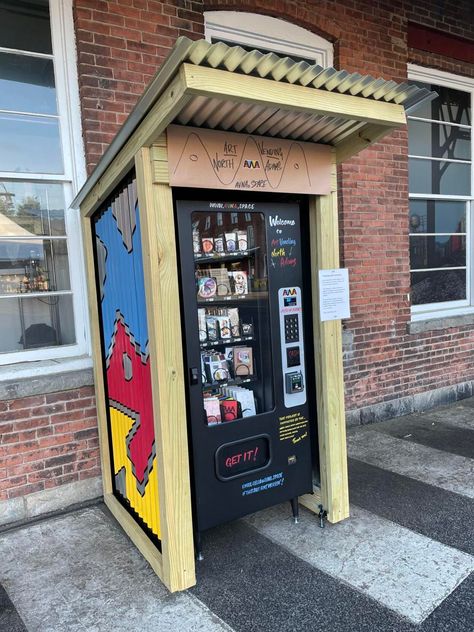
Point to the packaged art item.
(212, 328)
(213, 410)
(242, 239)
(219, 244)
(234, 321)
(240, 282)
(229, 409)
(230, 242)
(207, 287)
(243, 361)
(202, 324)
(196, 242)
(222, 280)
(224, 327)
(207, 245)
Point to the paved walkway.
(404, 562)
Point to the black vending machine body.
(246, 313)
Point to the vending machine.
(247, 325)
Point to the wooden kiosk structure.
(218, 87)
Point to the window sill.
(45, 376)
(433, 324)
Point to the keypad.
(292, 333)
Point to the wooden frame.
(146, 149)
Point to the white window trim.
(67, 91)
(450, 308)
(254, 29)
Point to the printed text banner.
(225, 160)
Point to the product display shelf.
(209, 344)
(224, 256)
(250, 296)
(237, 381)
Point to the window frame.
(255, 29)
(465, 306)
(72, 178)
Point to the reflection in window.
(440, 151)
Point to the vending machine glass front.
(242, 306)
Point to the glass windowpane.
(438, 286)
(451, 105)
(31, 208)
(437, 216)
(33, 265)
(438, 141)
(27, 84)
(30, 144)
(32, 323)
(25, 25)
(438, 251)
(435, 176)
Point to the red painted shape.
(135, 395)
(433, 41)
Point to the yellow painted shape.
(146, 506)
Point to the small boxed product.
(221, 276)
(217, 368)
(224, 327)
(196, 242)
(207, 245)
(247, 401)
(213, 410)
(207, 287)
(234, 321)
(202, 324)
(242, 241)
(219, 244)
(247, 329)
(230, 409)
(240, 282)
(212, 327)
(230, 242)
(243, 361)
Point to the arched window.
(252, 30)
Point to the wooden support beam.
(368, 135)
(160, 116)
(225, 85)
(334, 491)
(160, 265)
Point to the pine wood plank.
(222, 84)
(168, 381)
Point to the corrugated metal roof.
(225, 114)
(272, 66)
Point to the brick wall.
(46, 441)
(121, 43)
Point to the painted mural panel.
(125, 349)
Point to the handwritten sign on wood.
(225, 160)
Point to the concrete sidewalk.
(404, 561)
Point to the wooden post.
(168, 383)
(334, 492)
